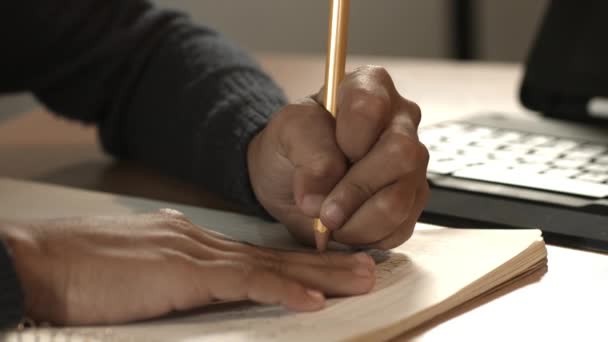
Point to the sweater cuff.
(254, 99)
(11, 295)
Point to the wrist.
(253, 153)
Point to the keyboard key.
(509, 136)
(504, 155)
(592, 149)
(535, 159)
(459, 140)
(596, 168)
(518, 148)
(548, 151)
(444, 167)
(531, 168)
(538, 140)
(585, 152)
(475, 151)
(593, 177)
(561, 144)
(481, 132)
(563, 173)
(454, 126)
(569, 163)
(534, 181)
(602, 160)
(501, 164)
(578, 155)
(493, 144)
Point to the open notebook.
(437, 270)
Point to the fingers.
(308, 140)
(239, 281)
(384, 213)
(395, 157)
(377, 131)
(333, 281)
(297, 286)
(404, 232)
(210, 267)
(328, 259)
(365, 102)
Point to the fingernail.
(362, 271)
(333, 213)
(365, 259)
(311, 204)
(315, 295)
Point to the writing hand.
(363, 174)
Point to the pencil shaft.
(336, 51)
(334, 73)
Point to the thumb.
(319, 163)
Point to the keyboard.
(517, 158)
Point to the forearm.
(162, 91)
(195, 120)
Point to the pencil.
(334, 73)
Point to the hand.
(363, 174)
(98, 270)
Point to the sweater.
(161, 90)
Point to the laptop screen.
(567, 69)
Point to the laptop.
(494, 170)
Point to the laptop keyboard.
(510, 157)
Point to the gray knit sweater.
(161, 90)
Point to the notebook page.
(412, 280)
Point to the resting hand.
(99, 270)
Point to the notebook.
(437, 270)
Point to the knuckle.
(370, 106)
(266, 258)
(380, 72)
(275, 265)
(171, 239)
(289, 118)
(423, 154)
(244, 272)
(360, 190)
(173, 213)
(403, 151)
(375, 71)
(392, 208)
(415, 112)
(324, 166)
(178, 226)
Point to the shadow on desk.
(133, 179)
(86, 167)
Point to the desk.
(567, 303)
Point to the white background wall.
(398, 27)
